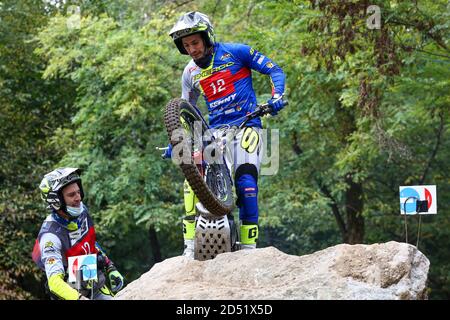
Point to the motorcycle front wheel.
(211, 182)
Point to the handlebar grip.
(263, 109)
(266, 105)
(266, 108)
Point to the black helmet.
(191, 23)
(52, 184)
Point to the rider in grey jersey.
(69, 231)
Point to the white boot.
(248, 246)
(189, 249)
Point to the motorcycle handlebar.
(260, 111)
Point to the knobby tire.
(172, 122)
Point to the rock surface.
(389, 270)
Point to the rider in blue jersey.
(221, 73)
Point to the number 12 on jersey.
(219, 86)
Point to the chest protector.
(77, 237)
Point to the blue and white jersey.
(226, 85)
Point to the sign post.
(417, 200)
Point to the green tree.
(123, 77)
(368, 112)
(30, 110)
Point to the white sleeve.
(51, 256)
(188, 91)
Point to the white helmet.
(191, 23)
(52, 184)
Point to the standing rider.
(221, 73)
(69, 231)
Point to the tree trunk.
(354, 206)
(154, 244)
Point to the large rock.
(380, 271)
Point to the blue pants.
(247, 191)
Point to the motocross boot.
(188, 236)
(249, 236)
(190, 199)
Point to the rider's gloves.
(115, 279)
(276, 103)
(168, 152)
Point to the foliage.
(368, 112)
(118, 70)
(30, 111)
